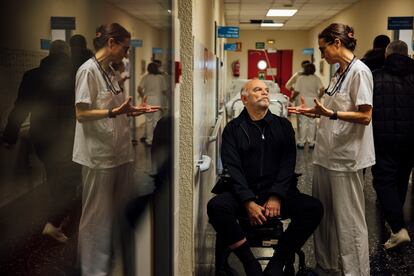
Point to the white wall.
(369, 19)
(204, 109)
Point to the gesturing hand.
(144, 108)
(125, 107)
(255, 213)
(300, 108)
(312, 112)
(321, 109)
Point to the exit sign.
(260, 45)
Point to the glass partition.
(85, 184)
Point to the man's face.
(257, 96)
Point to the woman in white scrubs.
(344, 147)
(154, 88)
(308, 87)
(103, 147)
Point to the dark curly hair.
(152, 68)
(309, 69)
(343, 32)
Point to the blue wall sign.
(308, 51)
(62, 23)
(400, 23)
(157, 50)
(44, 44)
(228, 32)
(230, 46)
(136, 43)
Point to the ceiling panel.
(310, 12)
(231, 6)
(152, 12)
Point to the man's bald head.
(249, 86)
(255, 95)
(397, 47)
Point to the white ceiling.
(240, 12)
(310, 12)
(152, 12)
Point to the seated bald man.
(259, 153)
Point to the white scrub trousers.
(151, 119)
(307, 130)
(343, 229)
(105, 193)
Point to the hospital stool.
(263, 236)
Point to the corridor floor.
(24, 251)
(382, 263)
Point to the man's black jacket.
(393, 105)
(374, 58)
(259, 167)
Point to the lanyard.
(109, 85)
(341, 79)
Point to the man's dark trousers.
(304, 211)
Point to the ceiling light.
(281, 12)
(271, 25)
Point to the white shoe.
(397, 239)
(55, 233)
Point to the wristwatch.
(334, 115)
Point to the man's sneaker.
(311, 146)
(54, 232)
(397, 239)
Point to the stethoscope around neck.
(109, 85)
(341, 79)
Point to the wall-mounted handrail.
(214, 133)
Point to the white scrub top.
(308, 87)
(340, 145)
(103, 143)
(154, 88)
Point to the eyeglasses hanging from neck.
(109, 85)
(338, 85)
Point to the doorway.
(271, 65)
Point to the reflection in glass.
(40, 186)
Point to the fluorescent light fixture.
(271, 24)
(281, 12)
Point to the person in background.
(120, 74)
(259, 152)
(166, 98)
(375, 57)
(290, 84)
(104, 149)
(46, 93)
(79, 52)
(152, 87)
(160, 69)
(393, 124)
(344, 147)
(308, 87)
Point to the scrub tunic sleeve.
(86, 87)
